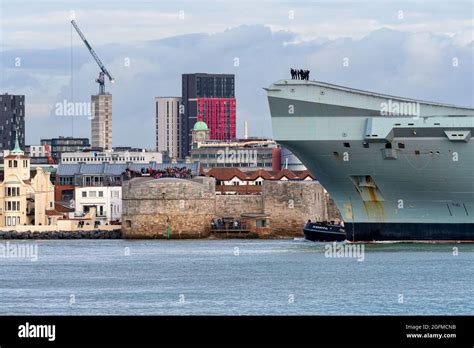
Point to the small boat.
(324, 232)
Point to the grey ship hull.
(409, 231)
(402, 175)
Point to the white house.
(107, 201)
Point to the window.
(93, 194)
(12, 191)
(347, 145)
(365, 144)
(401, 145)
(84, 194)
(101, 193)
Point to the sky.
(418, 49)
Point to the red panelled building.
(219, 115)
(209, 98)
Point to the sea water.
(235, 277)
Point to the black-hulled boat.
(324, 232)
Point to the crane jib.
(95, 56)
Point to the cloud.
(35, 24)
(412, 64)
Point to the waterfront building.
(209, 98)
(12, 120)
(236, 181)
(25, 199)
(119, 157)
(104, 201)
(245, 154)
(101, 122)
(168, 119)
(65, 144)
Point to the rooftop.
(225, 174)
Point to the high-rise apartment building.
(101, 123)
(167, 116)
(209, 98)
(12, 119)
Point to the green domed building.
(200, 133)
(200, 126)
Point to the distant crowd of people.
(169, 172)
(299, 74)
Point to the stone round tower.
(158, 208)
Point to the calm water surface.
(235, 277)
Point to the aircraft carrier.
(397, 168)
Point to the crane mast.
(101, 79)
